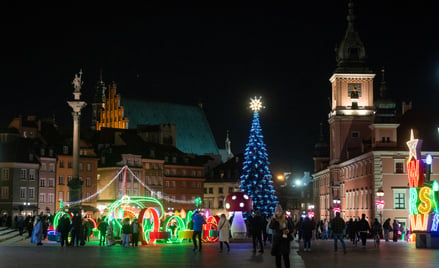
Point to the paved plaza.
(21, 253)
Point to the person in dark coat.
(76, 229)
(308, 226)
(258, 224)
(282, 236)
(64, 228)
(364, 229)
(395, 230)
(102, 227)
(387, 229)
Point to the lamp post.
(336, 203)
(380, 203)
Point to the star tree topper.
(414, 147)
(256, 104)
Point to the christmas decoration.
(256, 178)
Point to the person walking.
(282, 229)
(102, 227)
(338, 225)
(257, 223)
(110, 235)
(37, 232)
(308, 226)
(387, 229)
(364, 229)
(126, 231)
(395, 230)
(63, 228)
(224, 230)
(135, 229)
(197, 225)
(76, 230)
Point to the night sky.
(219, 56)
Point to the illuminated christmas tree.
(256, 178)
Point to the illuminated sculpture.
(238, 202)
(423, 201)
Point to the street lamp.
(336, 205)
(311, 211)
(380, 203)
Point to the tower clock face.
(354, 87)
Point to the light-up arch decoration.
(93, 224)
(131, 207)
(208, 228)
(174, 237)
(149, 221)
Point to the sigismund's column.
(75, 185)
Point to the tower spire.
(351, 53)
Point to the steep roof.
(193, 133)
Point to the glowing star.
(256, 104)
(414, 146)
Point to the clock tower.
(352, 107)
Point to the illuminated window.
(23, 174)
(42, 182)
(399, 198)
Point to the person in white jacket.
(224, 232)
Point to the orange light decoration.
(425, 198)
(419, 222)
(416, 178)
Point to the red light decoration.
(416, 178)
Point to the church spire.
(228, 146)
(351, 53)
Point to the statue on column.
(77, 81)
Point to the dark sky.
(220, 56)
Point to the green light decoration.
(180, 226)
(58, 216)
(61, 204)
(435, 186)
(198, 201)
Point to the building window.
(173, 184)
(65, 149)
(51, 183)
(399, 198)
(69, 178)
(81, 167)
(61, 196)
(22, 192)
(205, 190)
(355, 134)
(61, 180)
(23, 174)
(88, 167)
(31, 192)
(5, 192)
(69, 164)
(88, 181)
(167, 184)
(42, 182)
(210, 190)
(198, 185)
(88, 194)
(5, 174)
(160, 180)
(42, 198)
(52, 167)
(183, 184)
(43, 166)
(61, 164)
(399, 166)
(220, 190)
(221, 203)
(51, 198)
(31, 174)
(230, 190)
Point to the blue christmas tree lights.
(256, 178)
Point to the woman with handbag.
(282, 229)
(224, 230)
